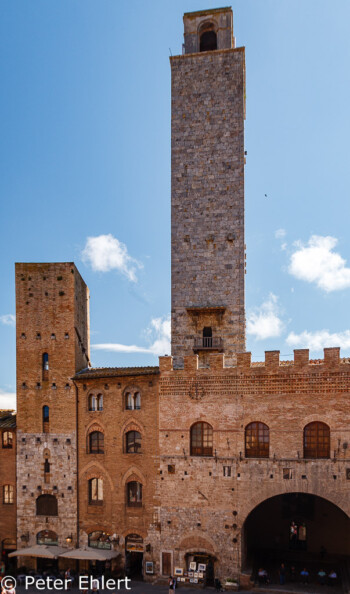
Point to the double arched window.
(316, 440)
(133, 442)
(201, 439)
(95, 488)
(257, 440)
(95, 402)
(132, 400)
(134, 494)
(96, 442)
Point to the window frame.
(7, 442)
(198, 439)
(8, 494)
(98, 448)
(99, 490)
(139, 496)
(319, 434)
(129, 446)
(257, 431)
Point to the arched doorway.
(203, 565)
(134, 556)
(296, 529)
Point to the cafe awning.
(48, 552)
(90, 554)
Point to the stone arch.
(133, 474)
(305, 507)
(258, 498)
(196, 541)
(95, 470)
(321, 418)
(94, 426)
(132, 425)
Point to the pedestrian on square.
(172, 584)
(282, 574)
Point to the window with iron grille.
(257, 440)
(316, 440)
(201, 439)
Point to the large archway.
(296, 528)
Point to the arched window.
(95, 488)
(45, 366)
(92, 402)
(47, 537)
(201, 439)
(95, 402)
(134, 494)
(45, 362)
(46, 505)
(316, 440)
(133, 442)
(8, 494)
(207, 38)
(132, 400)
(257, 440)
(99, 540)
(46, 419)
(7, 440)
(96, 442)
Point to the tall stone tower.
(52, 307)
(207, 189)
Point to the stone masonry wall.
(207, 189)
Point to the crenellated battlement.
(331, 360)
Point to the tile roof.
(96, 372)
(7, 419)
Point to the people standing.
(172, 584)
(282, 574)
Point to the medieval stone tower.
(52, 310)
(207, 189)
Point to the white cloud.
(316, 341)
(316, 262)
(105, 253)
(157, 334)
(280, 233)
(7, 400)
(8, 320)
(264, 321)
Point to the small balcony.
(208, 343)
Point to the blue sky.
(85, 153)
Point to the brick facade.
(7, 483)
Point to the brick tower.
(207, 189)
(52, 307)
